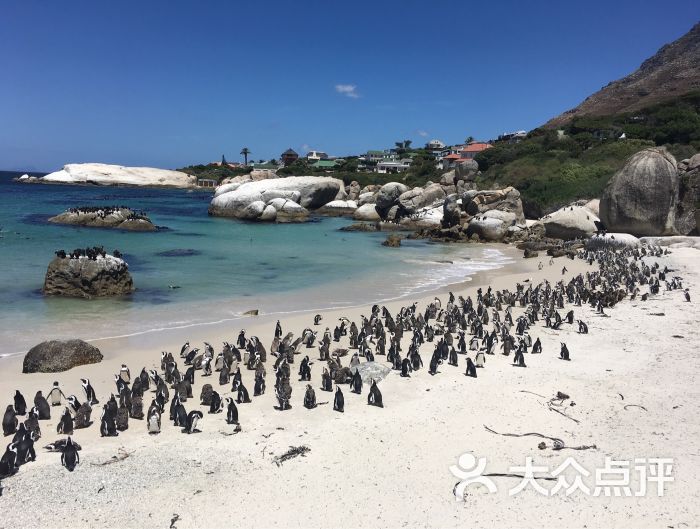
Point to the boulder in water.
(88, 278)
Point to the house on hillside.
(474, 148)
(512, 137)
(315, 156)
(327, 165)
(393, 166)
(289, 157)
(435, 145)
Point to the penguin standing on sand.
(231, 411)
(356, 383)
(42, 407)
(65, 424)
(154, 421)
(192, 419)
(309, 398)
(8, 462)
(69, 455)
(108, 425)
(9, 421)
(20, 404)
(55, 395)
(471, 368)
(374, 397)
(89, 392)
(326, 381)
(564, 352)
(339, 400)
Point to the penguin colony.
(488, 320)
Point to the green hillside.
(552, 168)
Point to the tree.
(407, 144)
(223, 161)
(245, 152)
(469, 139)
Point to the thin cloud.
(348, 90)
(423, 133)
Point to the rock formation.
(641, 197)
(688, 206)
(88, 278)
(251, 200)
(115, 175)
(570, 222)
(507, 199)
(55, 356)
(105, 217)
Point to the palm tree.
(469, 140)
(407, 144)
(245, 152)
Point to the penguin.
(55, 395)
(153, 422)
(564, 352)
(125, 374)
(259, 387)
(112, 406)
(89, 392)
(537, 347)
(243, 396)
(471, 368)
(42, 407)
(326, 381)
(184, 350)
(304, 370)
(356, 382)
(687, 295)
(582, 327)
(192, 419)
(9, 421)
(137, 407)
(317, 319)
(231, 411)
(180, 418)
(224, 375)
(309, 398)
(453, 357)
(74, 403)
(405, 368)
(32, 423)
(122, 419)
(435, 361)
(519, 359)
(339, 400)
(108, 426)
(65, 424)
(82, 416)
(205, 396)
(8, 462)
(374, 397)
(20, 433)
(480, 359)
(216, 405)
(25, 449)
(69, 455)
(20, 404)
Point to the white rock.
(570, 222)
(339, 207)
(104, 174)
(253, 210)
(366, 212)
(269, 213)
(367, 198)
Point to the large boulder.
(117, 175)
(417, 198)
(253, 176)
(288, 210)
(353, 190)
(507, 199)
(367, 198)
(570, 222)
(689, 199)
(366, 212)
(105, 217)
(56, 355)
(492, 226)
(309, 192)
(450, 212)
(87, 278)
(466, 170)
(641, 197)
(338, 208)
(388, 197)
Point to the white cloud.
(348, 90)
(306, 147)
(422, 133)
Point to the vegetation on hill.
(552, 169)
(215, 172)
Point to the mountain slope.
(673, 71)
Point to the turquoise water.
(221, 266)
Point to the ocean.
(222, 267)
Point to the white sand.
(389, 467)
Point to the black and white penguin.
(125, 374)
(231, 411)
(564, 352)
(339, 400)
(8, 462)
(9, 421)
(326, 381)
(406, 368)
(471, 368)
(215, 404)
(317, 319)
(108, 425)
(519, 359)
(356, 383)
(259, 386)
(82, 416)
(309, 398)
(153, 422)
(42, 407)
(65, 424)
(122, 418)
(184, 350)
(537, 347)
(582, 327)
(55, 395)
(192, 419)
(20, 404)
(89, 392)
(243, 396)
(32, 423)
(305, 370)
(69, 455)
(136, 407)
(374, 397)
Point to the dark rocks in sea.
(393, 240)
(118, 217)
(179, 252)
(87, 274)
(60, 355)
(362, 226)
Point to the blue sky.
(171, 83)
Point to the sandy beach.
(632, 378)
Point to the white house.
(393, 166)
(315, 156)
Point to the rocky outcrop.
(367, 213)
(309, 192)
(688, 205)
(507, 199)
(414, 199)
(88, 278)
(641, 197)
(337, 208)
(450, 212)
(353, 190)
(117, 217)
(492, 226)
(117, 175)
(393, 240)
(56, 356)
(466, 171)
(254, 176)
(388, 197)
(570, 222)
